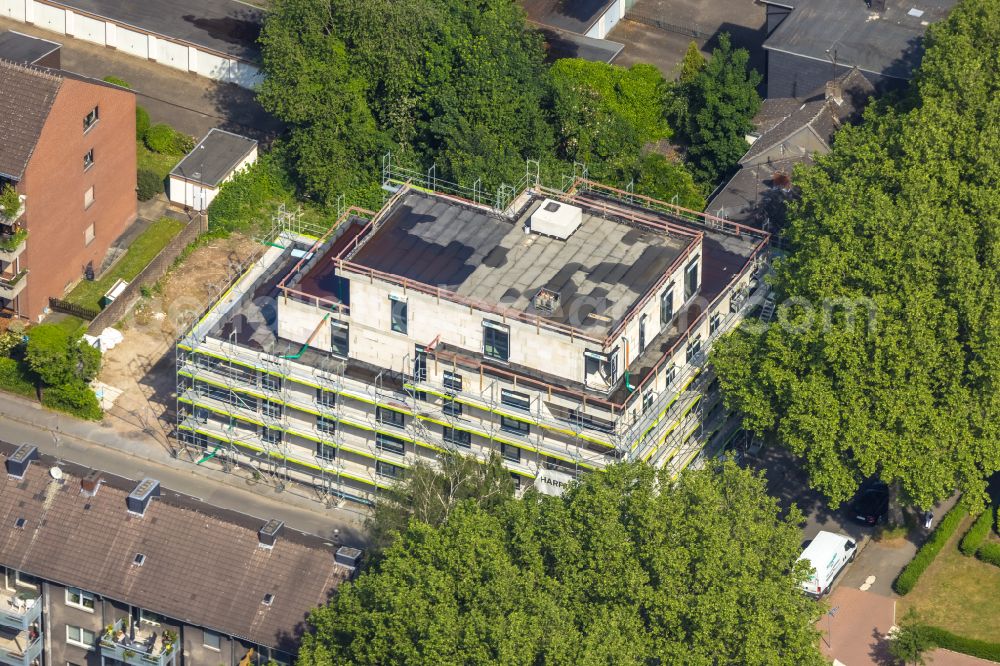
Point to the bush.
(75, 398)
(118, 82)
(243, 201)
(14, 378)
(989, 553)
(946, 528)
(943, 638)
(977, 534)
(165, 140)
(8, 341)
(141, 123)
(148, 184)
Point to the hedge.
(165, 140)
(142, 122)
(114, 80)
(946, 528)
(148, 184)
(989, 553)
(977, 534)
(943, 638)
(75, 398)
(14, 378)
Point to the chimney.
(267, 535)
(348, 557)
(835, 91)
(138, 500)
(18, 462)
(90, 483)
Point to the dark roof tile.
(26, 97)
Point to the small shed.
(216, 159)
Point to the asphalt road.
(98, 447)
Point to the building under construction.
(563, 329)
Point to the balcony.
(20, 648)
(140, 647)
(11, 206)
(12, 243)
(19, 610)
(12, 284)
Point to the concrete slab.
(855, 628)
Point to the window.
(89, 235)
(16, 579)
(88, 159)
(88, 197)
(667, 305)
(691, 279)
(325, 451)
(271, 435)
(389, 417)
(419, 364)
(452, 408)
(496, 341)
(693, 347)
(647, 400)
(511, 453)
(390, 444)
(211, 640)
(516, 400)
(516, 478)
(339, 338)
(81, 637)
(80, 599)
(91, 118)
(326, 398)
(713, 323)
(642, 332)
(150, 617)
(671, 375)
(387, 469)
(458, 437)
(398, 315)
(325, 425)
(584, 420)
(452, 381)
(270, 382)
(515, 426)
(271, 410)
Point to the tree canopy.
(899, 224)
(614, 571)
(60, 358)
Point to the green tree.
(614, 571)
(888, 355)
(663, 179)
(910, 640)
(59, 358)
(429, 494)
(692, 64)
(721, 101)
(310, 84)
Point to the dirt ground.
(142, 366)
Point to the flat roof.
(226, 26)
(214, 158)
(91, 543)
(573, 15)
(564, 44)
(599, 272)
(24, 49)
(887, 43)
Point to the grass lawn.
(88, 294)
(161, 164)
(958, 593)
(73, 325)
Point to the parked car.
(871, 504)
(828, 553)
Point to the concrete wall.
(55, 183)
(134, 41)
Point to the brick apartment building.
(99, 570)
(68, 148)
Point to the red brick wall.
(55, 183)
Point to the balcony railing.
(11, 244)
(12, 285)
(141, 648)
(25, 649)
(19, 610)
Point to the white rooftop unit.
(556, 219)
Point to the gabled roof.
(203, 565)
(26, 97)
(821, 115)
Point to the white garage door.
(89, 29)
(50, 18)
(171, 54)
(133, 43)
(212, 66)
(12, 9)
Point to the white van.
(827, 553)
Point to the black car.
(871, 505)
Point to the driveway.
(190, 103)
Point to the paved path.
(855, 632)
(97, 446)
(190, 103)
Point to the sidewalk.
(134, 456)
